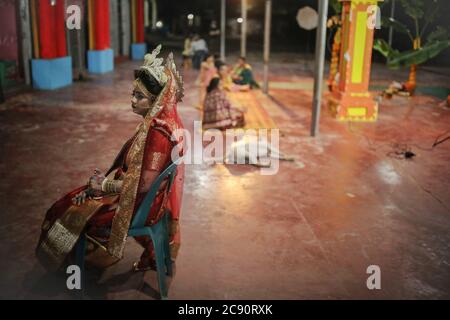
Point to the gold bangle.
(104, 184)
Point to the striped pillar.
(138, 46)
(140, 28)
(102, 34)
(51, 67)
(100, 55)
(352, 100)
(52, 29)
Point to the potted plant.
(423, 49)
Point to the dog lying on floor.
(254, 151)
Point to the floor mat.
(256, 117)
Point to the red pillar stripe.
(52, 35)
(101, 21)
(140, 21)
(60, 29)
(46, 41)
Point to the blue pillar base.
(50, 74)
(100, 61)
(138, 51)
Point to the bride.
(105, 206)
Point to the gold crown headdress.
(154, 66)
(179, 84)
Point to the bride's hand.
(80, 198)
(95, 181)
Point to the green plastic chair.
(159, 232)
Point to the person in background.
(207, 72)
(226, 80)
(242, 74)
(217, 110)
(200, 51)
(187, 53)
(217, 61)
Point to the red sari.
(157, 157)
(149, 149)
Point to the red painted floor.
(310, 231)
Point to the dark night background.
(287, 36)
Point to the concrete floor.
(308, 232)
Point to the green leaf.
(427, 52)
(385, 49)
(396, 25)
(413, 8)
(439, 34)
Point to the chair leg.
(167, 257)
(160, 267)
(80, 255)
(160, 238)
(169, 265)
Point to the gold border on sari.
(64, 234)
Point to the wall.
(8, 31)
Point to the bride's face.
(140, 104)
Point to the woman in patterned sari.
(105, 206)
(218, 113)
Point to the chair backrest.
(144, 209)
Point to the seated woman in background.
(242, 74)
(227, 82)
(217, 110)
